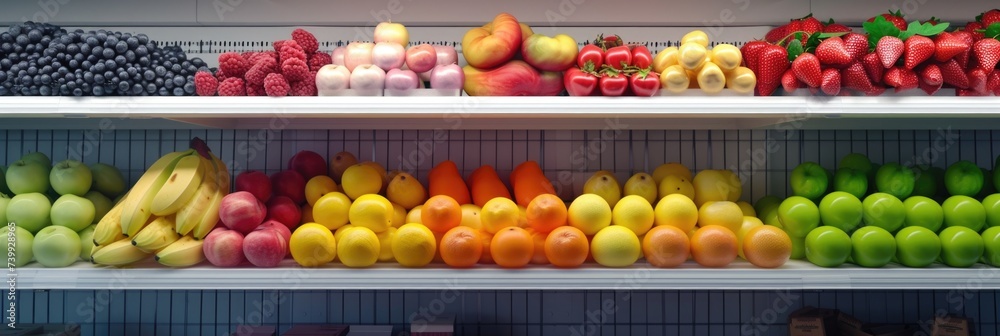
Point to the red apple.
(446, 55)
(493, 44)
(388, 55)
(392, 32)
(265, 248)
(556, 53)
(368, 77)
(448, 76)
(398, 79)
(283, 210)
(241, 211)
(331, 78)
(357, 54)
(515, 78)
(256, 183)
(421, 58)
(338, 55)
(277, 226)
(291, 184)
(308, 163)
(224, 247)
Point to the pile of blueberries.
(40, 59)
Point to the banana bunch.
(169, 210)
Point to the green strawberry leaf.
(829, 35)
(993, 31)
(814, 41)
(879, 28)
(795, 49)
(924, 29)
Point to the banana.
(93, 251)
(185, 252)
(139, 200)
(182, 184)
(156, 235)
(210, 217)
(109, 228)
(189, 215)
(119, 253)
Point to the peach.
(556, 53)
(516, 78)
(308, 163)
(291, 184)
(274, 225)
(283, 210)
(265, 248)
(224, 247)
(241, 211)
(550, 83)
(256, 183)
(493, 44)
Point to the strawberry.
(806, 69)
(990, 17)
(987, 51)
(928, 88)
(877, 90)
(896, 18)
(836, 28)
(833, 51)
(854, 77)
(831, 82)
(751, 52)
(933, 21)
(873, 67)
(948, 46)
(857, 45)
(810, 25)
(974, 28)
(776, 34)
(917, 49)
(968, 39)
(993, 82)
(953, 75)
(889, 49)
(968, 93)
(977, 80)
(772, 62)
(789, 82)
(901, 78)
(931, 75)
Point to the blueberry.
(109, 74)
(33, 70)
(99, 67)
(121, 60)
(22, 40)
(102, 35)
(122, 75)
(189, 88)
(77, 92)
(132, 71)
(98, 78)
(109, 53)
(149, 75)
(88, 77)
(121, 47)
(161, 71)
(14, 30)
(123, 86)
(163, 92)
(97, 51)
(132, 42)
(143, 39)
(158, 82)
(129, 56)
(74, 64)
(98, 90)
(35, 35)
(6, 48)
(150, 88)
(64, 90)
(137, 89)
(179, 80)
(3, 76)
(176, 68)
(46, 79)
(110, 42)
(141, 51)
(144, 61)
(4, 91)
(92, 41)
(168, 84)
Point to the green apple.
(960, 246)
(927, 182)
(827, 246)
(108, 180)
(988, 188)
(964, 211)
(29, 211)
(809, 180)
(852, 181)
(798, 215)
(71, 177)
(72, 211)
(773, 220)
(991, 243)
(25, 177)
(841, 210)
(895, 180)
(923, 211)
(23, 241)
(884, 210)
(101, 204)
(4, 200)
(56, 246)
(857, 161)
(3, 181)
(992, 205)
(766, 205)
(916, 246)
(39, 157)
(963, 178)
(872, 246)
(86, 242)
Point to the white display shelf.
(521, 113)
(738, 276)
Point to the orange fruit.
(450, 185)
(546, 213)
(445, 167)
(531, 166)
(486, 238)
(512, 247)
(567, 246)
(713, 246)
(539, 239)
(441, 213)
(767, 246)
(485, 185)
(666, 246)
(529, 181)
(461, 247)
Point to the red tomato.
(590, 53)
(645, 85)
(618, 57)
(613, 85)
(579, 83)
(641, 57)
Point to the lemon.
(373, 212)
(318, 186)
(414, 215)
(590, 213)
(398, 215)
(741, 80)
(727, 56)
(381, 172)
(674, 184)
(499, 213)
(385, 241)
(332, 210)
(716, 185)
(339, 234)
(692, 56)
(748, 224)
(676, 210)
(723, 213)
(361, 179)
(664, 59)
(406, 190)
(604, 184)
(635, 213)
(642, 184)
(747, 208)
(696, 37)
(414, 245)
(471, 217)
(358, 247)
(312, 245)
(615, 246)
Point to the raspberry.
(260, 70)
(305, 87)
(232, 87)
(290, 49)
(257, 57)
(233, 64)
(247, 55)
(221, 75)
(318, 60)
(306, 40)
(277, 45)
(294, 69)
(275, 85)
(205, 84)
(255, 90)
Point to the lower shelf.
(738, 276)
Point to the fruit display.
(40, 59)
(506, 58)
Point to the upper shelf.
(525, 113)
